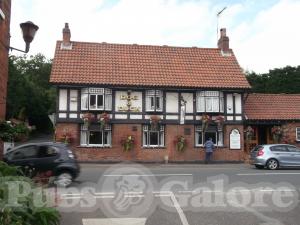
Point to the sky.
(264, 34)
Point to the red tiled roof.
(122, 64)
(272, 107)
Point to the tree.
(283, 80)
(29, 93)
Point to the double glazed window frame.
(219, 136)
(210, 101)
(105, 134)
(96, 99)
(297, 133)
(154, 100)
(149, 136)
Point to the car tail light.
(260, 152)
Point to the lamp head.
(28, 29)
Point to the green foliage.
(10, 132)
(27, 213)
(283, 80)
(29, 94)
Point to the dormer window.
(96, 99)
(154, 101)
(210, 101)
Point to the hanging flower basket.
(220, 122)
(87, 118)
(154, 122)
(66, 137)
(206, 119)
(249, 132)
(180, 143)
(103, 119)
(276, 133)
(127, 143)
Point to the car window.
(293, 149)
(255, 149)
(279, 148)
(47, 151)
(25, 152)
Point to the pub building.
(144, 103)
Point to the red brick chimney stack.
(223, 42)
(66, 44)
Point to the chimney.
(223, 42)
(66, 43)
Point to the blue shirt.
(209, 146)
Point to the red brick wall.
(290, 130)
(4, 41)
(116, 153)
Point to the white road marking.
(114, 221)
(262, 174)
(179, 210)
(148, 175)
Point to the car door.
(295, 155)
(47, 157)
(282, 154)
(24, 156)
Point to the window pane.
(83, 137)
(215, 102)
(26, 152)
(199, 138)
(279, 148)
(222, 104)
(201, 104)
(152, 105)
(157, 102)
(145, 138)
(153, 138)
(208, 104)
(96, 137)
(298, 133)
(210, 135)
(162, 139)
(84, 101)
(220, 138)
(92, 101)
(99, 101)
(106, 138)
(108, 102)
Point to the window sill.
(155, 148)
(93, 146)
(216, 147)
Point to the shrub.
(27, 213)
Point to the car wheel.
(64, 179)
(259, 166)
(272, 164)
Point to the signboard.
(235, 139)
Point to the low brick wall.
(140, 154)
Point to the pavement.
(181, 194)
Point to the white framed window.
(153, 138)
(154, 100)
(210, 101)
(93, 136)
(211, 132)
(298, 133)
(96, 99)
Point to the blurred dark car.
(46, 157)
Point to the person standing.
(209, 148)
